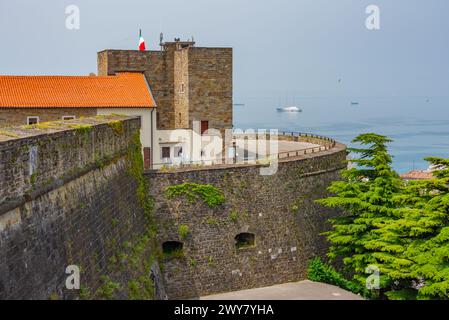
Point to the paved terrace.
(303, 290)
(291, 146)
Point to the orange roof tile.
(128, 90)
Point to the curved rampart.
(279, 210)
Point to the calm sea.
(419, 126)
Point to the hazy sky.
(294, 47)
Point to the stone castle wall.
(66, 198)
(182, 89)
(156, 66)
(18, 116)
(280, 210)
(205, 72)
(210, 81)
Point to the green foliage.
(84, 293)
(294, 208)
(8, 134)
(133, 258)
(174, 254)
(209, 194)
(404, 294)
(367, 197)
(114, 222)
(400, 227)
(183, 231)
(54, 296)
(193, 262)
(107, 289)
(321, 272)
(33, 178)
(82, 129)
(135, 169)
(117, 126)
(212, 221)
(141, 289)
(234, 216)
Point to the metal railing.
(329, 143)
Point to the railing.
(325, 143)
(329, 143)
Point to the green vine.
(208, 193)
(137, 256)
(135, 169)
(117, 126)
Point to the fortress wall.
(204, 73)
(280, 210)
(210, 84)
(158, 68)
(66, 198)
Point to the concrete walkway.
(303, 290)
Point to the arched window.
(244, 240)
(172, 248)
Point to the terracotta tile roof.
(124, 90)
(417, 175)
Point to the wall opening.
(32, 120)
(244, 240)
(172, 249)
(147, 158)
(165, 152)
(204, 126)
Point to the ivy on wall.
(209, 194)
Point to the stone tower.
(188, 83)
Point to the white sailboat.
(289, 109)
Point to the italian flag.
(141, 42)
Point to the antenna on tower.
(161, 40)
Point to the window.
(68, 117)
(244, 240)
(182, 88)
(179, 116)
(165, 153)
(171, 246)
(178, 152)
(172, 249)
(32, 120)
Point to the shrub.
(321, 272)
(183, 231)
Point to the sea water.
(419, 126)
